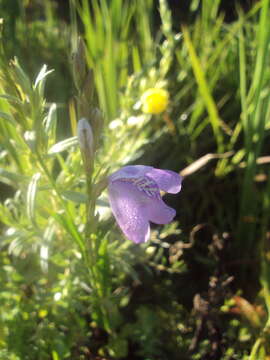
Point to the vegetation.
(72, 287)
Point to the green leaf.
(11, 99)
(70, 227)
(7, 238)
(50, 121)
(21, 77)
(118, 347)
(204, 89)
(42, 75)
(55, 355)
(81, 198)
(16, 246)
(63, 145)
(31, 197)
(39, 84)
(8, 117)
(75, 196)
(11, 178)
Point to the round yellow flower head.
(154, 101)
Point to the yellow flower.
(42, 313)
(154, 101)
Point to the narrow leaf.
(31, 197)
(11, 178)
(204, 89)
(11, 99)
(50, 119)
(63, 145)
(71, 230)
(8, 117)
(42, 75)
(75, 196)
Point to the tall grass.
(255, 101)
(107, 38)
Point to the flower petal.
(159, 213)
(166, 180)
(129, 208)
(130, 171)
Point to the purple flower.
(134, 195)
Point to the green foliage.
(255, 109)
(71, 286)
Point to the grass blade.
(204, 90)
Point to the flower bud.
(97, 122)
(79, 67)
(86, 141)
(88, 86)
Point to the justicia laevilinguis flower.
(134, 191)
(134, 195)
